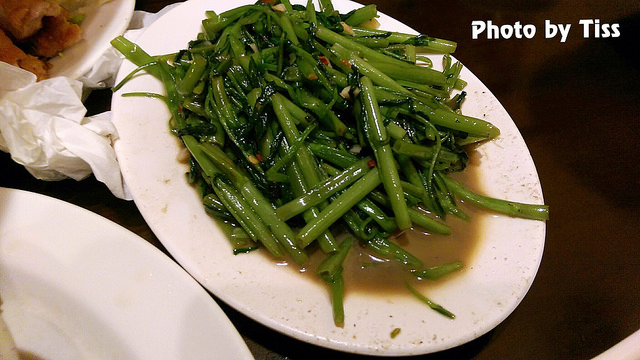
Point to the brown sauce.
(364, 272)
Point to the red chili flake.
(259, 157)
(324, 60)
(345, 62)
(312, 76)
(267, 1)
(371, 163)
(179, 109)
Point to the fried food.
(13, 55)
(42, 26)
(23, 18)
(56, 35)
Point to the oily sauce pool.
(364, 272)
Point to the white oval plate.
(491, 287)
(101, 24)
(76, 286)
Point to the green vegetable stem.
(304, 124)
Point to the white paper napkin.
(43, 124)
(44, 128)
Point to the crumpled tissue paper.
(43, 124)
(45, 129)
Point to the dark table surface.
(576, 104)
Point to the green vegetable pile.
(303, 121)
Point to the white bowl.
(101, 24)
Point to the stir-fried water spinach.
(302, 120)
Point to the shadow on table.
(583, 136)
(585, 103)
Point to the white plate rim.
(101, 24)
(62, 251)
(514, 178)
